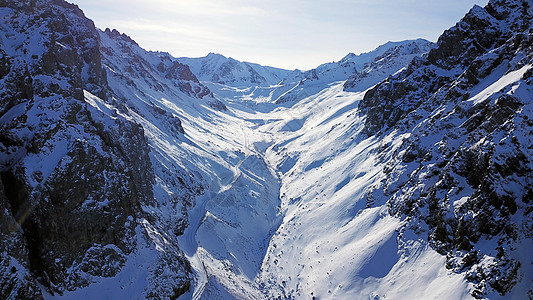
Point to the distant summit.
(217, 68)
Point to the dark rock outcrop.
(72, 181)
(17, 281)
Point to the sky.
(280, 33)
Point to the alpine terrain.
(401, 173)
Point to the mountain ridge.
(470, 62)
(225, 70)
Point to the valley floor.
(288, 215)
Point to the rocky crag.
(463, 173)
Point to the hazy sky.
(281, 33)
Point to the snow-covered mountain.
(465, 159)
(362, 70)
(387, 60)
(217, 68)
(402, 52)
(400, 173)
(287, 87)
(79, 185)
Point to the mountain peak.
(217, 68)
(115, 34)
(215, 55)
(115, 159)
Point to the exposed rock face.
(157, 71)
(85, 187)
(17, 281)
(464, 170)
(76, 175)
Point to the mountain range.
(404, 172)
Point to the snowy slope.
(334, 242)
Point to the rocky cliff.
(76, 173)
(463, 173)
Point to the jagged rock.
(218, 105)
(167, 71)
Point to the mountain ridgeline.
(403, 172)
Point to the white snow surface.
(329, 245)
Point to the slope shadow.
(383, 260)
